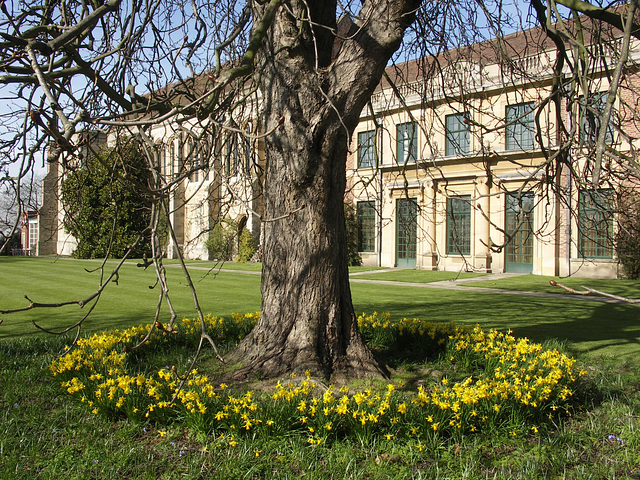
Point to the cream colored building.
(444, 169)
(446, 172)
(205, 183)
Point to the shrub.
(246, 246)
(106, 207)
(220, 241)
(351, 225)
(627, 240)
(13, 243)
(628, 250)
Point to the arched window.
(232, 154)
(196, 158)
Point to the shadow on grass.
(600, 328)
(21, 326)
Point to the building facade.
(454, 171)
(449, 168)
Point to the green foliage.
(221, 240)
(106, 207)
(14, 242)
(246, 246)
(627, 239)
(628, 247)
(351, 224)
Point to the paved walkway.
(459, 285)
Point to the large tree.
(72, 65)
(317, 74)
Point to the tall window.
(366, 149)
(232, 155)
(193, 156)
(520, 129)
(33, 235)
(406, 143)
(172, 158)
(456, 134)
(595, 223)
(459, 225)
(591, 112)
(366, 217)
(164, 167)
(248, 152)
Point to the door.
(519, 224)
(406, 232)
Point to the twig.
(589, 291)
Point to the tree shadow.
(603, 328)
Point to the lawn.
(599, 328)
(45, 434)
(130, 302)
(420, 276)
(538, 283)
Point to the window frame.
(458, 239)
(33, 234)
(592, 217)
(366, 149)
(597, 101)
(366, 225)
(231, 151)
(193, 161)
(457, 141)
(520, 120)
(406, 135)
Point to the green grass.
(45, 434)
(539, 283)
(420, 276)
(130, 302)
(599, 328)
(255, 267)
(243, 267)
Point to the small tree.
(220, 241)
(13, 242)
(627, 239)
(351, 224)
(102, 211)
(246, 246)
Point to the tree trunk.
(315, 84)
(307, 319)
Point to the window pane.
(590, 118)
(520, 127)
(519, 226)
(193, 161)
(366, 216)
(457, 134)
(172, 158)
(406, 143)
(407, 231)
(366, 149)
(232, 155)
(459, 225)
(595, 223)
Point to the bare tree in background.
(303, 71)
(17, 196)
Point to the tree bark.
(315, 83)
